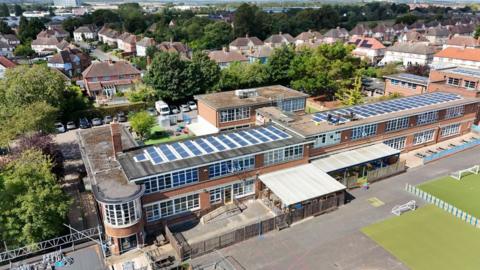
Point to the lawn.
(159, 135)
(428, 238)
(464, 193)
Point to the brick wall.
(438, 82)
(390, 89)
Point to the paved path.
(333, 241)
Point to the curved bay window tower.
(119, 201)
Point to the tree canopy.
(28, 29)
(142, 123)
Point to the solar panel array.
(164, 153)
(412, 77)
(379, 108)
(466, 71)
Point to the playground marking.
(375, 202)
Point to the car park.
(151, 111)
(97, 122)
(174, 109)
(107, 119)
(162, 107)
(192, 105)
(84, 123)
(184, 108)
(121, 117)
(71, 125)
(60, 127)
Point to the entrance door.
(227, 195)
(128, 243)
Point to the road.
(102, 56)
(333, 241)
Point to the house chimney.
(171, 41)
(246, 35)
(116, 131)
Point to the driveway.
(102, 56)
(333, 241)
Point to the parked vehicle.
(71, 125)
(192, 105)
(121, 117)
(107, 119)
(84, 123)
(151, 111)
(174, 109)
(96, 122)
(184, 108)
(162, 107)
(60, 127)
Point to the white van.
(162, 107)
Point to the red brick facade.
(439, 78)
(404, 91)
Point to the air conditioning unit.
(246, 93)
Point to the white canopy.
(300, 183)
(354, 157)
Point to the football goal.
(461, 173)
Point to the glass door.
(227, 195)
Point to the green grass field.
(429, 238)
(464, 194)
(159, 135)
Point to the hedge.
(103, 111)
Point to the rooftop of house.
(249, 97)
(467, 54)
(467, 72)
(438, 32)
(413, 48)
(279, 38)
(146, 42)
(244, 41)
(467, 41)
(109, 182)
(5, 62)
(261, 52)
(360, 29)
(173, 46)
(109, 68)
(84, 29)
(336, 33)
(367, 43)
(46, 41)
(225, 56)
(414, 36)
(310, 125)
(105, 31)
(308, 35)
(407, 77)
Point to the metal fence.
(450, 151)
(188, 251)
(444, 205)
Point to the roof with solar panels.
(200, 151)
(407, 77)
(469, 72)
(308, 125)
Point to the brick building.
(462, 81)
(405, 84)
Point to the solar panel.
(215, 143)
(167, 152)
(277, 132)
(227, 141)
(204, 146)
(249, 137)
(140, 157)
(192, 148)
(179, 149)
(237, 139)
(258, 135)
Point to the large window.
(403, 84)
(427, 118)
(293, 105)
(450, 130)
(172, 207)
(397, 124)
(171, 180)
(469, 84)
(327, 139)
(423, 137)
(231, 166)
(234, 114)
(121, 214)
(454, 112)
(240, 189)
(396, 143)
(364, 131)
(453, 81)
(283, 154)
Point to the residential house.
(462, 29)
(409, 54)
(48, 45)
(143, 45)
(108, 36)
(308, 37)
(6, 49)
(405, 84)
(70, 61)
(10, 39)
(437, 36)
(84, 33)
(104, 79)
(458, 41)
(369, 49)
(245, 44)
(175, 47)
(361, 30)
(5, 64)
(413, 37)
(383, 32)
(457, 57)
(53, 31)
(458, 80)
(127, 42)
(225, 57)
(399, 29)
(336, 34)
(260, 55)
(278, 40)
(418, 27)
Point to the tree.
(141, 92)
(406, 19)
(4, 11)
(73, 100)
(243, 75)
(18, 10)
(215, 36)
(420, 70)
(5, 29)
(278, 64)
(33, 206)
(350, 96)
(476, 35)
(24, 50)
(249, 19)
(29, 29)
(388, 69)
(142, 123)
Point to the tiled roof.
(146, 42)
(84, 29)
(336, 33)
(263, 51)
(53, 41)
(360, 29)
(6, 62)
(102, 69)
(243, 41)
(414, 36)
(468, 54)
(169, 46)
(309, 35)
(279, 38)
(367, 43)
(467, 41)
(414, 48)
(438, 32)
(222, 56)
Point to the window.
(171, 180)
(244, 188)
(364, 131)
(216, 195)
(293, 105)
(231, 166)
(171, 207)
(453, 81)
(327, 139)
(454, 112)
(396, 143)
(427, 118)
(395, 82)
(423, 137)
(121, 214)
(397, 124)
(235, 114)
(450, 130)
(283, 154)
(469, 84)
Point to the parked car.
(71, 125)
(174, 109)
(96, 122)
(60, 127)
(162, 107)
(107, 119)
(192, 105)
(84, 123)
(184, 108)
(121, 117)
(151, 111)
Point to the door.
(128, 243)
(227, 195)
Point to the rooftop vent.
(246, 93)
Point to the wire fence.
(468, 218)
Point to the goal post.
(458, 175)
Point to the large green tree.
(243, 75)
(32, 204)
(5, 29)
(4, 11)
(215, 36)
(350, 95)
(28, 29)
(18, 10)
(142, 123)
(278, 64)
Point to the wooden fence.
(387, 171)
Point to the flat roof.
(407, 77)
(309, 125)
(264, 95)
(300, 183)
(354, 157)
(463, 71)
(109, 182)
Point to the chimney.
(171, 41)
(246, 35)
(116, 131)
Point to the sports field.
(429, 238)
(464, 193)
